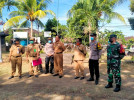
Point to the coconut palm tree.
(96, 11)
(29, 11)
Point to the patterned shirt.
(49, 49)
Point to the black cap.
(16, 39)
(93, 34)
(113, 35)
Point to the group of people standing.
(54, 56)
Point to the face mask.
(92, 38)
(49, 41)
(77, 43)
(31, 42)
(110, 40)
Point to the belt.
(58, 52)
(16, 56)
(33, 56)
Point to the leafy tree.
(104, 36)
(50, 24)
(10, 36)
(95, 11)
(29, 11)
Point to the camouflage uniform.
(114, 55)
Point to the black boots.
(11, 77)
(118, 88)
(109, 85)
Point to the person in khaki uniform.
(15, 57)
(32, 53)
(79, 56)
(40, 47)
(58, 57)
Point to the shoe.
(11, 77)
(46, 72)
(82, 78)
(96, 82)
(117, 89)
(55, 74)
(20, 77)
(90, 79)
(41, 71)
(51, 72)
(109, 85)
(76, 77)
(60, 76)
(30, 76)
(36, 76)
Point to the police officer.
(32, 53)
(115, 52)
(79, 56)
(95, 55)
(15, 57)
(49, 50)
(58, 57)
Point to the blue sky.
(65, 5)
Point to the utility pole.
(58, 18)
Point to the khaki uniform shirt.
(59, 47)
(17, 50)
(95, 53)
(32, 50)
(79, 52)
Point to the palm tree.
(29, 11)
(96, 11)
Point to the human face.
(57, 38)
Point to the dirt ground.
(47, 87)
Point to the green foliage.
(50, 24)
(130, 43)
(104, 36)
(8, 38)
(132, 5)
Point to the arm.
(10, 54)
(23, 50)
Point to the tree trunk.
(31, 29)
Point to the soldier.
(32, 53)
(79, 56)
(49, 49)
(58, 57)
(15, 57)
(115, 52)
(95, 55)
(40, 47)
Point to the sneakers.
(29, 76)
(11, 77)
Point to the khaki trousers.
(58, 64)
(33, 70)
(16, 61)
(79, 68)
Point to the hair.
(80, 39)
(59, 36)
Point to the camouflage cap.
(113, 35)
(32, 39)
